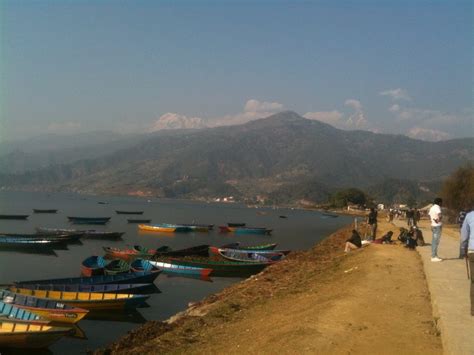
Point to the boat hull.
(222, 268)
(29, 336)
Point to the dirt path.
(373, 300)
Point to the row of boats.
(238, 228)
(36, 313)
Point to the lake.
(300, 230)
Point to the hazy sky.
(134, 66)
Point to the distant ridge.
(281, 155)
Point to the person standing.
(467, 249)
(436, 227)
(372, 222)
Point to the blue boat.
(141, 265)
(7, 242)
(93, 265)
(132, 277)
(11, 312)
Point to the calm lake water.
(300, 230)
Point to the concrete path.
(450, 293)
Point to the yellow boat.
(48, 309)
(87, 300)
(26, 335)
(150, 228)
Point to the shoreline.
(292, 277)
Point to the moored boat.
(237, 245)
(198, 227)
(138, 220)
(171, 268)
(87, 300)
(13, 313)
(116, 266)
(106, 288)
(136, 252)
(164, 227)
(36, 210)
(236, 224)
(46, 308)
(15, 243)
(88, 220)
(245, 230)
(133, 277)
(129, 212)
(222, 268)
(198, 250)
(93, 265)
(14, 216)
(141, 265)
(32, 336)
(248, 255)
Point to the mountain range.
(280, 159)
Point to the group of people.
(414, 237)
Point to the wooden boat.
(107, 288)
(269, 246)
(66, 238)
(141, 265)
(222, 268)
(135, 220)
(93, 265)
(15, 243)
(133, 277)
(164, 227)
(236, 224)
(14, 216)
(198, 227)
(267, 253)
(33, 336)
(245, 230)
(60, 231)
(136, 252)
(87, 300)
(129, 212)
(89, 220)
(36, 210)
(170, 268)
(96, 234)
(249, 256)
(116, 266)
(198, 250)
(11, 312)
(46, 308)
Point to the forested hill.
(284, 156)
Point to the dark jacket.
(355, 239)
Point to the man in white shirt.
(436, 227)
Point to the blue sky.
(134, 66)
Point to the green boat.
(223, 268)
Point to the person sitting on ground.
(354, 242)
(403, 236)
(417, 233)
(387, 238)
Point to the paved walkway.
(450, 290)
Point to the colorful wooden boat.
(33, 336)
(133, 277)
(14, 216)
(170, 268)
(12, 313)
(46, 308)
(87, 300)
(198, 227)
(93, 265)
(66, 238)
(248, 255)
(237, 245)
(137, 220)
(15, 243)
(141, 265)
(236, 224)
(107, 288)
(244, 230)
(222, 268)
(198, 250)
(267, 253)
(116, 266)
(129, 212)
(164, 227)
(36, 210)
(136, 252)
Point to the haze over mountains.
(282, 159)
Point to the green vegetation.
(458, 189)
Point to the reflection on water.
(301, 230)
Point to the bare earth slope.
(373, 300)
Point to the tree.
(458, 189)
(352, 195)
